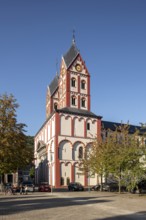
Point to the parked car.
(96, 187)
(112, 187)
(140, 188)
(44, 187)
(30, 186)
(75, 186)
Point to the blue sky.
(111, 37)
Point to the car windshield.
(44, 183)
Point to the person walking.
(21, 189)
(25, 189)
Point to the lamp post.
(88, 181)
(51, 178)
(51, 171)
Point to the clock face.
(78, 67)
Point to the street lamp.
(51, 171)
(88, 180)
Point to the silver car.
(30, 186)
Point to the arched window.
(88, 126)
(80, 152)
(83, 102)
(62, 181)
(83, 84)
(73, 82)
(68, 180)
(55, 106)
(73, 100)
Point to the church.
(70, 126)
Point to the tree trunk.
(119, 185)
(2, 182)
(101, 188)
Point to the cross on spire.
(73, 37)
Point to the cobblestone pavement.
(73, 206)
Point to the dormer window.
(73, 82)
(83, 84)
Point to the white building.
(70, 126)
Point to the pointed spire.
(57, 67)
(72, 53)
(73, 37)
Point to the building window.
(73, 82)
(62, 181)
(73, 100)
(83, 84)
(80, 152)
(88, 126)
(68, 180)
(83, 102)
(55, 106)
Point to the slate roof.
(80, 112)
(71, 55)
(112, 126)
(54, 84)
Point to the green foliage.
(14, 144)
(126, 162)
(32, 172)
(122, 154)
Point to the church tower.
(74, 81)
(72, 88)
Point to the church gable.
(73, 61)
(78, 66)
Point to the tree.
(125, 158)
(30, 149)
(94, 159)
(14, 147)
(122, 154)
(32, 172)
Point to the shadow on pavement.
(135, 216)
(14, 205)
